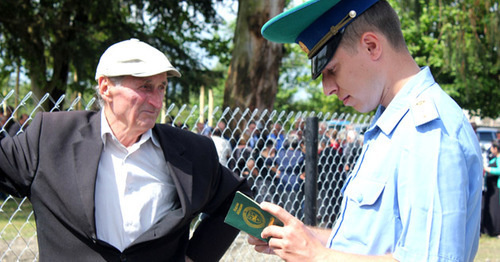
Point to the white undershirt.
(133, 189)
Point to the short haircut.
(495, 144)
(382, 18)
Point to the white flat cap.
(135, 58)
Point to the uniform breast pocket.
(365, 193)
(366, 216)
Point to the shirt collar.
(106, 129)
(388, 118)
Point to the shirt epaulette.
(423, 110)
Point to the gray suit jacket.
(54, 163)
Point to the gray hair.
(116, 80)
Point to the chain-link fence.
(268, 148)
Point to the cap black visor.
(325, 54)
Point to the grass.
(15, 208)
(489, 249)
(16, 219)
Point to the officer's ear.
(371, 44)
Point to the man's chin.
(363, 109)
(147, 124)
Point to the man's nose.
(329, 85)
(156, 99)
(330, 88)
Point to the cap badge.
(304, 47)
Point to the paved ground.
(19, 250)
(240, 250)
(27, 250)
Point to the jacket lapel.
(87, 150)
(179, 167)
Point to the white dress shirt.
(133, 189)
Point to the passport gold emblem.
(253, 217)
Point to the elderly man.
(113, 185)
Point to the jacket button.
(94, 239)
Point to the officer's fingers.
(255, 241)
(276, 232)
(278, 212)
(264, 249)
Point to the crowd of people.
(272, 158)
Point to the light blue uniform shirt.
(415, 191)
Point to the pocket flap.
(364, 192)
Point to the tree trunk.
(254, 70)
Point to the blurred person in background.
(22, 120)
(290, 163)
(7, 122)
(490, 220)
(277, 135)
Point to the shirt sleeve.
(439, 200)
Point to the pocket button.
(359, 198)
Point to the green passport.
(246, 215)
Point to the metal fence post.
(311, 188)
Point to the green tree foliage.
(459, 41)
(59, 42)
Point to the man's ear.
(370, 43)
(104, 85)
